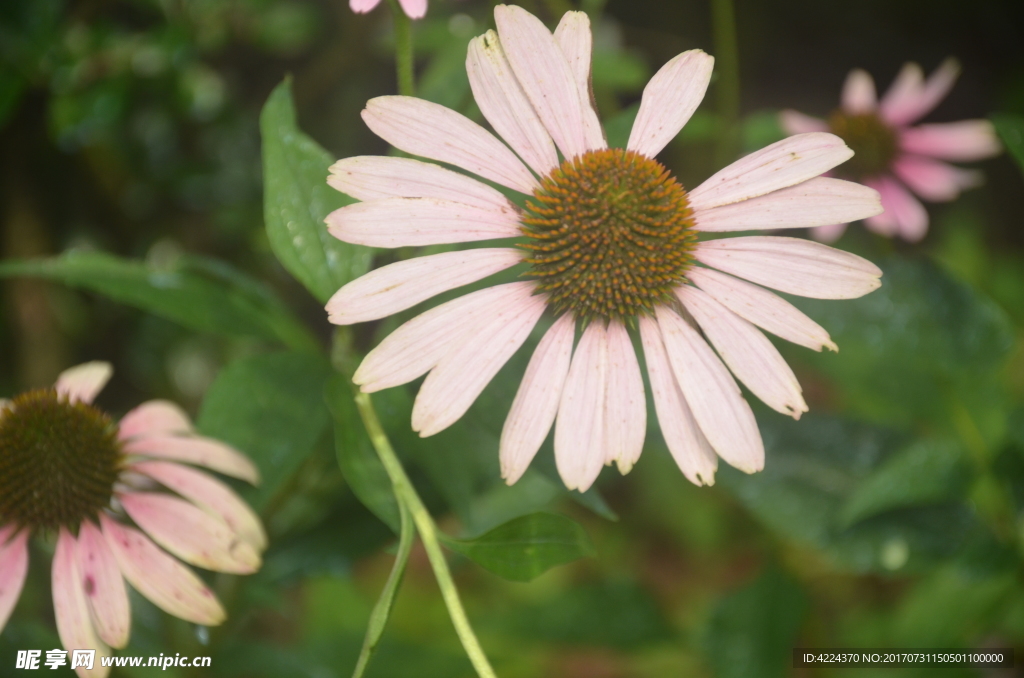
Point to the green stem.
(403, 50)
(407, 495)
(727, 62)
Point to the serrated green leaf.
(1010, 128)
(297, 199)
(270, 407)
(203, 294)
(526, 547)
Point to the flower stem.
(723, 18)
(403, 50)
(407, 495)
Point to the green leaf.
(526, 547)
(297, 199)
(203, 294)
(271, 407)
(1010, 128)
(618, 127)
(359, 463)
(752, 631)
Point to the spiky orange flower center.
(610, 234)
(873, 143)
(58, 461)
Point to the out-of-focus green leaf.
(618, 127)
(1010, 128)
(198, 293)
(760, 129)
(296, 200)
(526, 547)
(11, 87)
(926, 472)
(752, 631)
(271, 407)
(619, 71)
(360, 465)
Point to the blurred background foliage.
(891, 515)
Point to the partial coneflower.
(414, 9)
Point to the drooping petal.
(403, 284)
(545, 76)
(580, 432)
(686, 443)
(576, 41)
(13, 568)
(748, 353)
(625, 414)
(154, 417)
(412, 222)
(432, 131)
(669, 99)
(414, 9)
(964, 141)
(766, 310)
(104, 587)
(719, 408)
(859, 95)
(207, 452)
(418, 345)
(815, 202)
(792, 265)
(910, 97)
(795, 122)
(828, 233)
(904, 214)
(190, 533)
(209, 494)
(461, 375)
(70, 608)
(362, 6)
(374, 177)
(83, 382)
(536, 402)
(503, 102)
(934, 180)
(167, 583)
(885, 223)
(784, 163)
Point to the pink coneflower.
(891, 156)
(67, 469)
(610, 242)
(414, 9)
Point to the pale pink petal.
(725, 418)
(83, 382)
(747, 352)
(13, 568)
(859, 95)
(766, 310)
(190, 533)
(934, 180)
(625, 414)
(784, 163)
(418, 345)
(795, 122)
(104, 588)
(910, 97)
(964, 141)
(470, 364)
(412, 222)
(792, 265)
(432, 131)
(153, 417)
(403, 284)
(576, 41)
(828, 233)
(374, 177)
(210, 495)
(815, 202)
(207, 452)
(502, 101)
(580, 432)
(689, 447)
(536, 402)
(544, 75)
(415, 9)
(162, 579)
(70, 608)
(362, 6)
(904, 214)
(669, 99)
